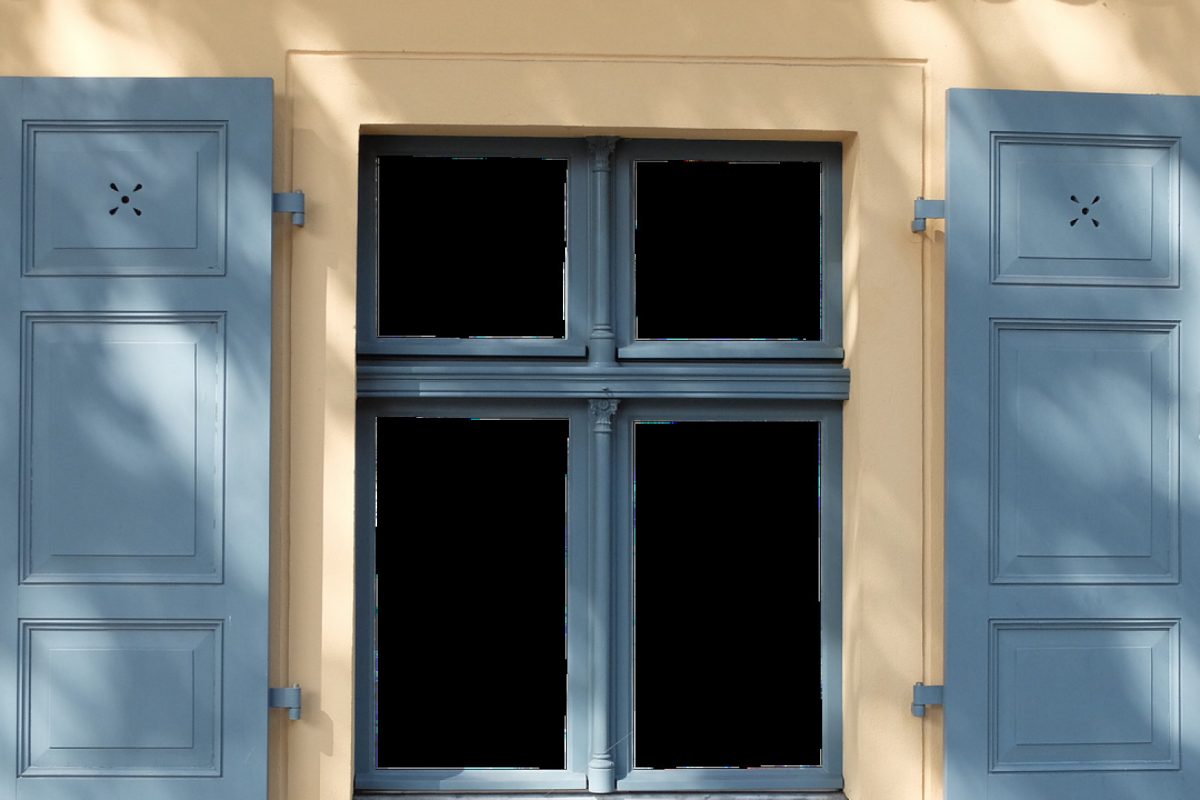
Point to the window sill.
(575, 795)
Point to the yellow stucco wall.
(871, 74)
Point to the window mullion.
(602, 343)
(601, 767)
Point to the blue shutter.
(1073, 447)
(135, 265)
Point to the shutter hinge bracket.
(926, 696)
(926, 209)
(285, 697)
(289, 203)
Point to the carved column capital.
(602, 413)
(601, 148)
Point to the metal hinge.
(289, 203)
(926, 209)
(926, 696)
(285, 697)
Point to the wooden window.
(726, 594)
(728, 250)
(480, 584)
(671, 419)
(474, 248)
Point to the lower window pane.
(470, 621)
(727, 634)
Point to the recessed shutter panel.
(135, 263)
(1073, 446)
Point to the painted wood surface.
(604, 396)
(1072, 453)
(135, 299)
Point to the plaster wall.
(869, 73)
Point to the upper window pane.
(727, 250)
(472, 247)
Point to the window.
(599, 465)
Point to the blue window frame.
(746, 399)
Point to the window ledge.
(823, 795)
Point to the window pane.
(727, 250)
(727, 648)
(470, 548)
(472, 247)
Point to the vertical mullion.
(601, 767)
(602, 350)
(602, 345)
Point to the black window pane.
(727, 648)
(470, 619)
(728, 250)
(472, 247)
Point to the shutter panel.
(135, 259)
(1073, 448)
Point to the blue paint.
(1072, 448)
(662, 381)
(135, 426)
